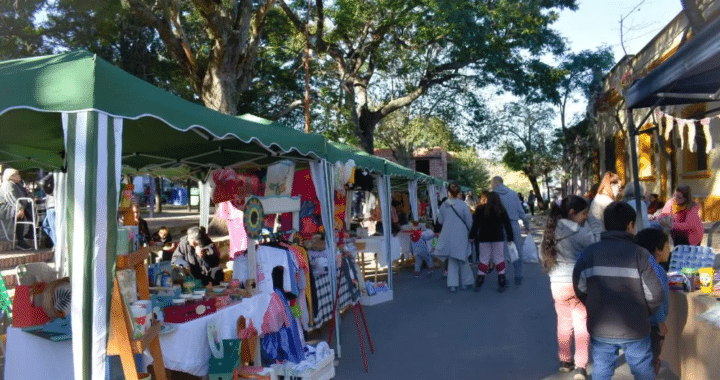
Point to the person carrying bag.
(453, 242)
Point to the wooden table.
(692, 347)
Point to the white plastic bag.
(512, 252)
(529, 250)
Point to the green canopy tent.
(77, 113)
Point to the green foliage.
(403, 134)
(18, 35)
(467, 169)
(527, 128)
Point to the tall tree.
(19, 36)
(526, 132)
(582, 78)
(431, 43)
(215, 43)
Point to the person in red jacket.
(687, 227)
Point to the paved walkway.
(426, 332)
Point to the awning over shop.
(691, 75)
(43, 88)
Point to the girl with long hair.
(565, 237)
(607, 193)
(687, 228)
(487, 229)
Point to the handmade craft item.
(253, 217)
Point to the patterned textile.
(326, 297)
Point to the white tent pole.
(60, 194)
(93, 144)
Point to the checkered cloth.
(325, 297)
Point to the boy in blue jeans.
(620, 289)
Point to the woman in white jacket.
(607, 193)
(453, 242)
(566, 236)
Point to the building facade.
(679, 145)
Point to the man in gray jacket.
(515, 211)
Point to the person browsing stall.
(687, 228)
(198, 254)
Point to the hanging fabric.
(61, 251)
(93, 142)
(412, 191)
(705, 125)
(432, 194)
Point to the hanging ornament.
(254, 216)
(705, 123)
(668, 126)
(692, 144)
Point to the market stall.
(88, 119)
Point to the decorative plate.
(214, 340)
(254, 216)
(167, 329)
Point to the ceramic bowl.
(219, 289)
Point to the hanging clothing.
(236, 227)
(285, 344)
(267, 259)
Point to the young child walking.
(615, 280)
(566, 235)
(657, 243)
(420, 238)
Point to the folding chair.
(5, 230)
(32, 222)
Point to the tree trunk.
(158, 195)
(693, 14)
(536, 190)
(367, 121)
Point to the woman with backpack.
(453, 242)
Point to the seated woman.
(687, 228)
(197, 254)
(163, 239)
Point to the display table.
(376, 244)
(29, 357)
(692, 347)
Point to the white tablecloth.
(29, 357)
(376, 244)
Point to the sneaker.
(417, 274)
(453, 289)
(430, 272)
(580, 374)
(566, 366)
(24, 247)
(478, 282)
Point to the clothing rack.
(272, 205)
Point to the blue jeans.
(48, 224)
(638, 354)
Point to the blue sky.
(597, 22)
